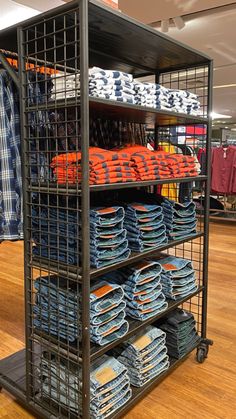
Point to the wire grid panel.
(52, 78)
(57, 382)
(51, 57)
(193, 80)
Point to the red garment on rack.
(223, 170)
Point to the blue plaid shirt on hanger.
(10, 162)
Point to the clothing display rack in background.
(116, 272)
(223, 179)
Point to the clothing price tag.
(105, 375)
(142, 342)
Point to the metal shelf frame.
(91, 34)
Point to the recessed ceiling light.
(223, 86)
(216, 115)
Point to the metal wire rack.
(58, 116)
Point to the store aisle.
(202, 391)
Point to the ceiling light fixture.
(223, 86)
(179, 22)
(165, 25)
(216, 115)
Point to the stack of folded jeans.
(104, 167)
(144, 355)
(142, 287)
(60, 381)
(145, 226)
(181, 166)
(183, 101)
(178, 277)
(180, 219)
(113, 85)
(108, 237)
(56, 234)
(148, 165)
(56, 310)
(65, 86)
(181, 334)
(152, 95)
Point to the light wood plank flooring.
(193, 390)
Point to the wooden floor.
(192, 391)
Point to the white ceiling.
(212, 31)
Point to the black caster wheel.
(202, 354)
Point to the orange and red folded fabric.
(129, 164)
(181, 166)
(104, 167)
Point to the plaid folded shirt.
(130, 163)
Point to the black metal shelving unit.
(69, 40)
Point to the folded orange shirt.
(96, 156)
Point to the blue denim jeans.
(145, 227)
(181, 334)
(144, 355)
(180, 219)
(109, 385)
(141, 283)
(56, 310)
(178, 277)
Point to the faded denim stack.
(180, 219)
(144, 355)
(145, 226)
(61, 382)
(57, 310)
(142, 287)
(178, 277)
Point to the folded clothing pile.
(108, 236)
(181, 334)
(113, 85)
(144, 355)
(60, 381)
(152, 95)
(183, 101)
(104, 167)
(57, 235)
(181, 166)
(57, 310)
(180, 219)
(55, 232)
(148, 165)
(65, 86)
(141, 283)
(145, 226)
(178, 277)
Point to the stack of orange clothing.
(104, 167)
(181, 166)
(148, 165)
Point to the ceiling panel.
(41, 5)
(153, 10)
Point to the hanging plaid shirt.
(10, 162)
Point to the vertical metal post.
(157, 78)
(84, 109)
(207, 203)
(26, 200)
